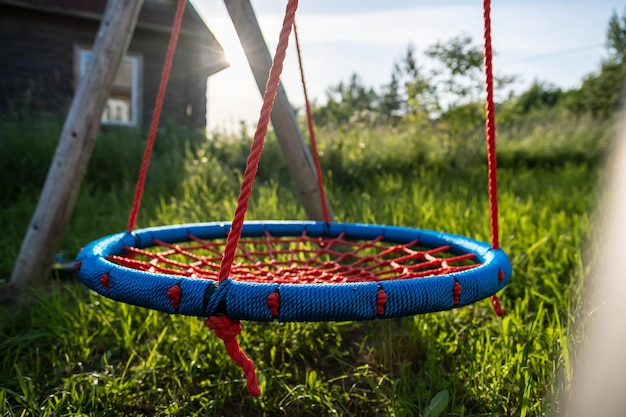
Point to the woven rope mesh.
(298, 260)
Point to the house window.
(123, 107)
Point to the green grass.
(68, 351)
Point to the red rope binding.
(156, 115)
(174, 293)
(254, 157)
(104, 281)
(381, 300)
(227, 330)
(309, 120)
(273, 303)
(490, 132)
(456, 292)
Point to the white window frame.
(82, 55)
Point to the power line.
(554, 54)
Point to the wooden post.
(284, 120)
(76, 144)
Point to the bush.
(543, 140)
(192, 178)
(26, 150)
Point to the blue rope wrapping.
(306, 302)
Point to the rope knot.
(227, 330)
(224, 328)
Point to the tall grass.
(70, 351)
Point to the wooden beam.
(75, 146)
(284, 121)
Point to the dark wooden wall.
(37, 66)
(36, 59)
(187, 83)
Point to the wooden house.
(46, 44)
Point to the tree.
(347, 101)
(410, 92)
(391, 100)
(451, 91)
(539, 96)
(455, 80)
(459, 71)
(422, 101)
(601, 94)
(616, 37)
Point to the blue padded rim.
(306, 302)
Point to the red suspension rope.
(490, 132)
(309, 120)
(254, 157)
(225, 328)
(156, 115)
(490, 127)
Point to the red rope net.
(298, 260)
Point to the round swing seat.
(294, 270)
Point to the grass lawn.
(69, 351)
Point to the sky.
(554, 41)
